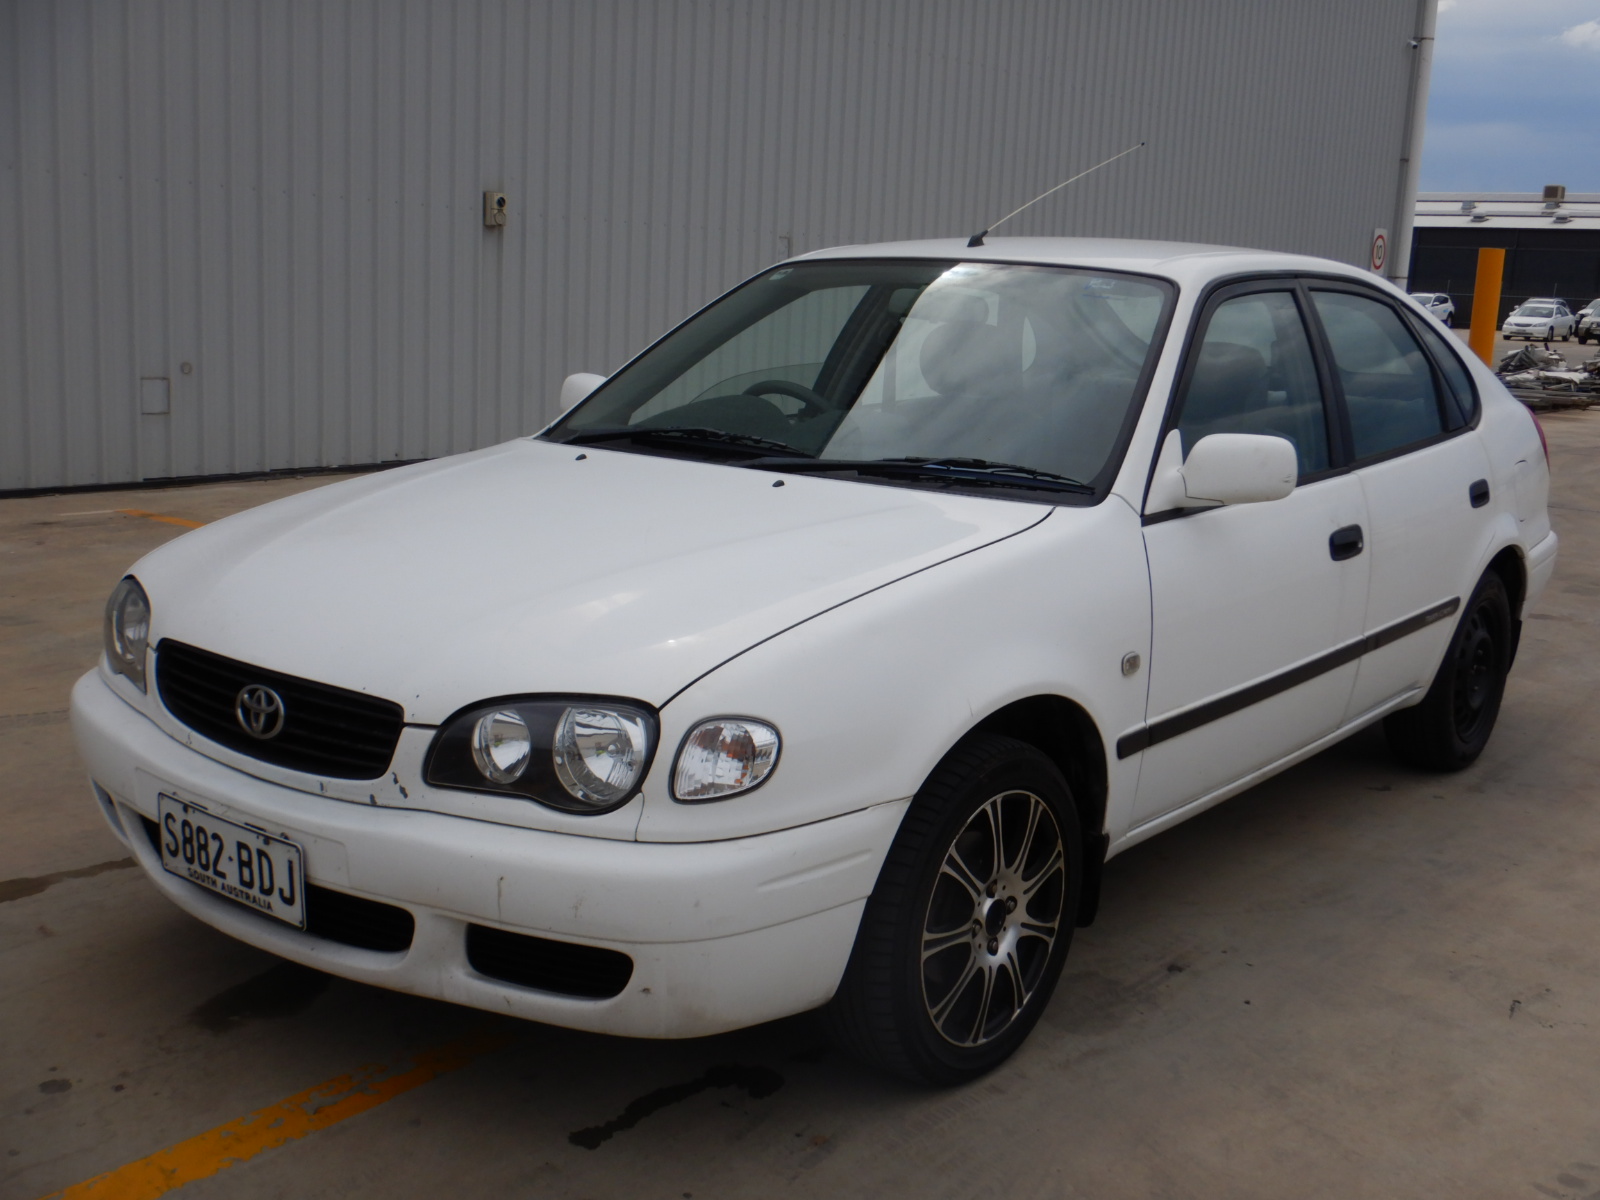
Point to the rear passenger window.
(1254, 374)
(1456, 377)
(1388, 384)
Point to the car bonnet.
(535, 567)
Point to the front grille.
(335, 916)
(592, 972)
(326, 730)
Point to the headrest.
(966, 359)
(1229, 379)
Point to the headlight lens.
(724, 757)
(127, 630)
(579, 754)
(599, 753)
(501, 746)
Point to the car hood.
(536, 567)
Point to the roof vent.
(1468, 205)
(1554, 194)
(1477, 216)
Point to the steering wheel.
(812, 404)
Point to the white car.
(1539, 320)
(1437, 303)
(825, 653)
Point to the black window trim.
(1340, 442)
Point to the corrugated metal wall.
(270, 211)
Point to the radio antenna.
(977, 238)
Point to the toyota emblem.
(260, 711)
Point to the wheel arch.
(1064, 732)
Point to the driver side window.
(790, 344)
(1253, 373)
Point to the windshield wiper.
(677, 433)
(964, 470)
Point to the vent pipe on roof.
(1405, 209)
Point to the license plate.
(264, 872)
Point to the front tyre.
(1450, 728)
(965, 934)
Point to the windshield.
(1536, 310)
(991, 364)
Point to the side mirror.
(1240, 468)
(575, 387)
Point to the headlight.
(724, 757)
(501, 746)
(600, 752)
(579, 754)
(127, 630)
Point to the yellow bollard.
(1486, 303)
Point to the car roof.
(1183, 262)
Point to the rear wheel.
(965, 934)
(1450, 728)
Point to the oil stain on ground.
(758, 1082)
(280, 991)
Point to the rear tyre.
(1450, 728)
(965, 934)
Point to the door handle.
(1478, 493)
(1345, 543)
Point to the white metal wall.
(269, 211)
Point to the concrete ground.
(1352, 981)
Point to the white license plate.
(265, 872)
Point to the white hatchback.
(824, 654)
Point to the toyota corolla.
(824, 653)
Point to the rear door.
(1250, 602)
(1424, 477)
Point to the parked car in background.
(823, 654)
(1437, 303)
(1539, 320)
(1588, 318)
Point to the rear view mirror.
(576, 387)
(1240, 468)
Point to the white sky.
(1515, 98)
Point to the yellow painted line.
(267, 1128)
(162, 517)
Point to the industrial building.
(1551, 240)
(268, 235)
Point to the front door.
(1252, 604)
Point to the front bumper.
(722, 934)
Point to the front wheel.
(1450, 728)
(965, 934)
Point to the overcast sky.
(1515, 99)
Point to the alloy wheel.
(993, 918)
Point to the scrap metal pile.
(1541, 378)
